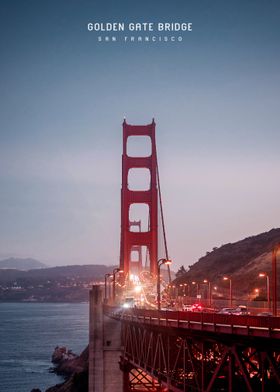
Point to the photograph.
(139, 196)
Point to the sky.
(215, 99)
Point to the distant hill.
(21, 264)
(70, 271)
(242, 261)
(55, 284)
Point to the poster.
(206, 71)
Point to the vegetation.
(57, 284)
(242, 261)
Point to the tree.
(181, 271)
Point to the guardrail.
(213, 322)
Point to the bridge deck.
(254, 326)
(197, 351)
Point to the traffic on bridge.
(155, 334)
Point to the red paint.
(131, 240)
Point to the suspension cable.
(162, 220)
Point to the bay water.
(29, 333)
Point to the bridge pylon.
(136, 265)
(131, 240)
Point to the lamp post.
(181, 289)
(215, 288)
(169, 291)
(182, 293)
(197, 288)
(209, 291)
(159, 264)
(106, 277)
(174, 292)
(115, 271)
(230, 289)
(264, 275)
(274, 279)
(185, 285)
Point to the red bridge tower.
(131, 240)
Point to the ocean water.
(29, 333)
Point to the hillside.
(242, 261)
(21, 264)
(56, 284)
(69, 271)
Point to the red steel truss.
(181, 351)
(130, 239)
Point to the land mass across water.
(55, 284)
(241, 261)
(21, 264)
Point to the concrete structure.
(105, 347)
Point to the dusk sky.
(215, 99)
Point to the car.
(265, 314)
(242, 307)
(196, 308)
(241, 310)
(129, 302)
(187, 308)
(167, 309)
(226, 311)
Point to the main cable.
(162, 219)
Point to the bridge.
(142, 347)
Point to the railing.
(212, 322)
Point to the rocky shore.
(74, 369)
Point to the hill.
(89, 272)
(56, 284)
(242, 261)
(21, 264)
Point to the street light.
(257, 293)
(197, 288)
(168, 290)
(174, 291)
(230, 289)
(264, 275)
(115, 271)
(159, 264)
(181, 288)
(107, 276)
(214, 288)
(209, 291)
(274, 279)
